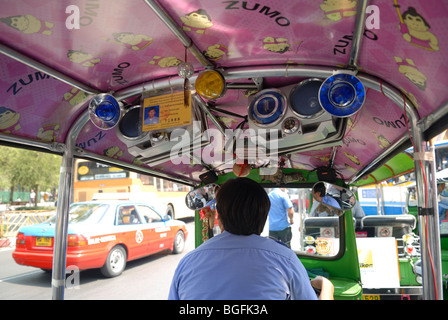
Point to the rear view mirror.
(332, 198)
(201, 197)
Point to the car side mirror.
(201, 197)
(335, 200)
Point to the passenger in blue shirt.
(238, 264)
(319, 194)
(280, 211)
(151, 116)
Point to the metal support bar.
(204, 108)
(46, 69)
(426, 191)
(229, 74)
(62, 211)
(96, 157)
(379, 194)
(357, 35)
(178, 32)
(428, 220)
(50, 146)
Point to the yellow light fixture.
(210, 84)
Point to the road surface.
(146, 278)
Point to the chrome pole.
(426, 191)
(65, 196)
(357, 35)
(178, 32)
(428, 217)
(13, 54)
(424, 162)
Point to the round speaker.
(342, 95)
(268, 107)
(304, 99)
(104, 111)
(130, 125)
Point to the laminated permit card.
(165, 111)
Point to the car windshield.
(84, 213)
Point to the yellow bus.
(96, 181)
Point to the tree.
(28, 169)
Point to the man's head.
(151, 112)
(319, 191)
(243, 206)
(440, 187)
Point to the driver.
(239, 264)
(319, 194)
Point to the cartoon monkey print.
(9, 120)
(83, 58)
(409, 70)
(415, 29)
(29, 24)
(335, 10)
(131, 41)
(197, 21)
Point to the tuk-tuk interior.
(287, 93)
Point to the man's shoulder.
(329, 200)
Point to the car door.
(159, 238)
(131, 230)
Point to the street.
(147, 278)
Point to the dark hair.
(201, 12)
(320, 187)
(242, 206)
(412, 12)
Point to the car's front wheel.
(115, 262)
(179, 242)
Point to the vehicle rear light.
(20, 238)
(75, 240)
(310, 249)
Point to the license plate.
(370, 297)
(43, 241)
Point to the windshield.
(304, 232)
(84, 213)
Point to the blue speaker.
(342, 95)
(268, 107)
(105, 111)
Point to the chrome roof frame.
(70, 150)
